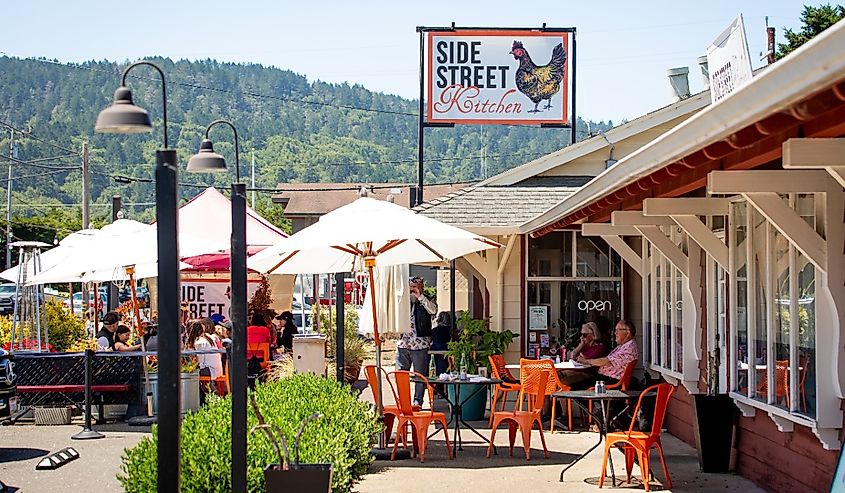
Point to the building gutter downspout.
(500, 280)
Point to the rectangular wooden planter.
(52, 415)
(316, 478)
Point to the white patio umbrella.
(114, 247)
(369, 233)
(52, 257)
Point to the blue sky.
(624, 47)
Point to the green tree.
(814, 20)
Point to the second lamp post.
(208, 160)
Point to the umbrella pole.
(131, 272)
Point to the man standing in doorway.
(413, 346)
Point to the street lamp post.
(124, 117)
(207, 160)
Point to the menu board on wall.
(538, 317)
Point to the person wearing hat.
(105, 337)
(285, 330)
(413, 346)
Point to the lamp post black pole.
(124, 117)
(238, 372)
(169, 340)
(207, 160)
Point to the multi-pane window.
(773, 332)
(664, 286)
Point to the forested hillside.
(301, 131)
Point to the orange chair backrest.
(402, 381)
(534, 377)
(258, 347)
(553, 383)
(497, 364)
(664, 392)
(625, 381)
(372, 381)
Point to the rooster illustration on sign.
(539, 83)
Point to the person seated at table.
(285, 330)
(590, 347)
(121, 339)
(257, 332)
(210, 364)
(613, 365)
(105, 337)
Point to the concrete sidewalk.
(472, 471)
(22, 446)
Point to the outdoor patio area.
(471, 470)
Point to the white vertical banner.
(728, 61)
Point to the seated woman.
(589, 347)
(257, 332)
(121, 336)
(210, 364)
(613, 366)
(285, 330)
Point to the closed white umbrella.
(393, 293)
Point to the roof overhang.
(748, 126)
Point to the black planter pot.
(315, 478)
(713, 424)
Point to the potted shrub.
(713, 422)
(475, 342)
(285, 475)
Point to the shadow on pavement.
(475, 456)
(15, 454)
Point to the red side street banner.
(495, 77)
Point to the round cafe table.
(456, 405)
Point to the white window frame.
(828, 389)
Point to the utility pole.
(115, 215)
(86, 220)
(252, 173)
(12, 153)
(86, 185)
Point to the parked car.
(7, 298)
(77, 303)
(8, 386)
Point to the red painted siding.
(774, 460)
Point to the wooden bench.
(64, 390)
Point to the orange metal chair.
(419, 420)
(622, 384)
(534, 378)
(390, 411)
(781, 382)
(222, 381)
(509, 383)
(553, 385)
(639, 442)
(259, 347)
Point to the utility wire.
(67, 167)
(45, 173)
(385, 186)
(39, 139)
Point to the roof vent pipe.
(705, 72)
(678, 78)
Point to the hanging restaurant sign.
(496, 77)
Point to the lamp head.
(123, 117)
(206, 160)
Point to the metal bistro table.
(456, 413)
(580, 397)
